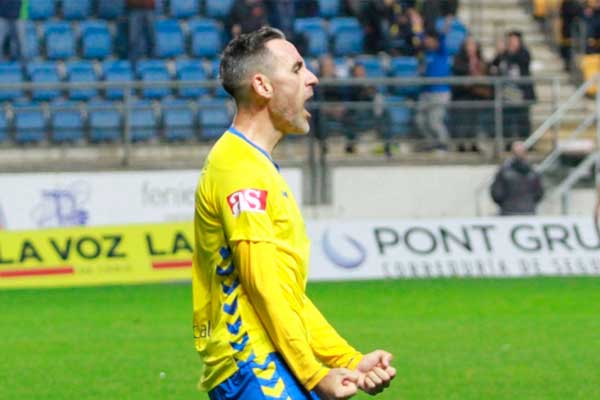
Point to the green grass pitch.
(533, 338)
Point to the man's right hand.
(338, 384)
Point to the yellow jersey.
(242, 315)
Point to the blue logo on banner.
(346, 252)
(63, 207)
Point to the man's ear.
(261, 85)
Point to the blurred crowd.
(579, 19)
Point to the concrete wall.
(422, 192)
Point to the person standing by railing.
(10, 29)
(141, 15)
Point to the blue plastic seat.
(184, 8)
(111, 9)
(4, 126)
(169, 39)
(191, 70)
(66, 121)
(32, 41)
(338, 23)
(43, 72)
(76, 9)
(104, 120)
(60, 41)
(329, 8)
(41, 9)
(220, 90)
(213, 118)
(81, 71)
(117, 72)
(399, 116)
(142, 121)
(218, 8)
(206, 37)
(405, 67)
(30, 123)
(96, 41)
(313, 29)
(10, 73)
(178, 120)
(154, 71)
(347, 36)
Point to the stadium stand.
(96, 40)
(42, 9)
(178, 120)
(76, 9)
(4, 127)
(30, 123)
(81, 71)
(117, 72)
(66, 122)
(10, 73)
(104, 121)
(43, 72)
(60, 40)
(111, 9)
(169, 39)
(206, 37)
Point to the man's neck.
(258, 128)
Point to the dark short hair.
(241, 54)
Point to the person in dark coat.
(10, 29)
(513, 61)
(247, 16)
(141, 16)
(517, 188)
(570, 12)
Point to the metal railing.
(552, 159)
(393, 94)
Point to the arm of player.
(325, 342)
(258, 276)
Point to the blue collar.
(243, 137)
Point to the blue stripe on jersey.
(243, 137)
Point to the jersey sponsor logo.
(251, 200)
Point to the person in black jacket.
(10, 28)
(570, 12)
(517, 188)
(513, 61)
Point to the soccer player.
(258, 334)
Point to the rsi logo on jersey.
(253, 200)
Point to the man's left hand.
(375, 372)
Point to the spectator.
(306, 8)
(11, 29)
(373, 16)
(141, 14)
(405, 27)
(329, 117)
(513, 61)
(570, 12)
(361, 118)
(282, 14)
(517, 188)
(467, 121)
(591, 15)
(434, 98)
(247, 16)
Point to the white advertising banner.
(485, 247)
(31, 201)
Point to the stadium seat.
(454, 35)
(399, 116)
(32, 46)
(4, 126)
(213, 118)
(111, 9)
(184, 8)
(329, 8)
(168, 39)
(104, 120)
(41, 9)
(117, 72)
(178, 120)
(191, 70)
(81, 71)
(347, 36)
(60, 41)
(66, 121)
(373, 68)
(313, 29)
(10, 73)
(405, 67)
(76, 9)
(153, 71)
(218, 8)
(30, 123)
(43, 72)
(206, 37)
(142, 122)
(96, 41)
(220, 90)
